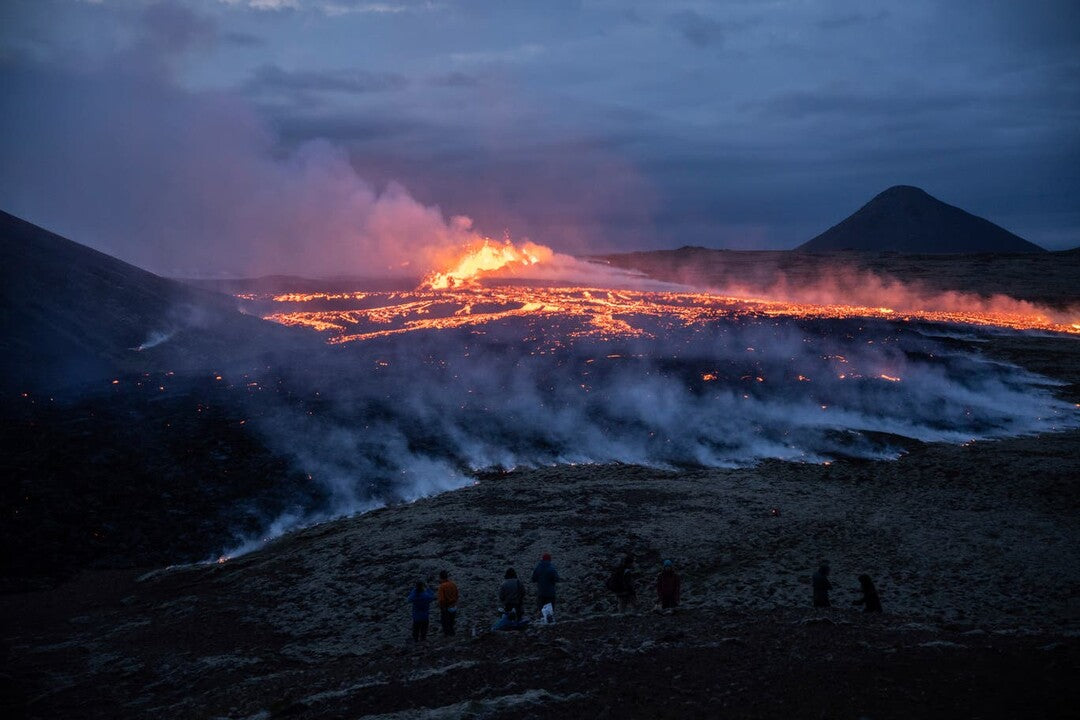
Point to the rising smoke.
(193, 183)
(396, 419)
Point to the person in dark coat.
(821, 584)
(421, 600)
(624, 584)
(545, 576)
(668, 586)
(512, 595)
(869, 600)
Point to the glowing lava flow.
(486, 256)
(592, 312)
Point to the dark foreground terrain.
(972, 549)
(702, 662)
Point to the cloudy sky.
(336, 136)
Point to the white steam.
(415, 415)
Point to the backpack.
(615, 582)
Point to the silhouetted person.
(869, 600)
(447, 595)
(822, 586)
(668, 586)
(622, 584)
(512, 594)
(421, 604)
(545, 576)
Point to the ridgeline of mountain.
(907, 219)
(73, 315)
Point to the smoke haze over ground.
(398, 418)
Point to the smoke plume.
(396, 419)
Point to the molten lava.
(592, 312)
(484, 257)
(465, 294)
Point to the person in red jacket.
(447, 597)
(668, 585)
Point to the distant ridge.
(907, 219)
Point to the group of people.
(621, 582)
(421, 598)
(512, 591)
(821, 586)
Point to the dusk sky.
(334, 136)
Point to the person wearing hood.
(512, 595)
(420, 598)
(821, 585)
(668, 586)
(545, 576)
(869, 600)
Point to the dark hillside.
(72, 316)
(907, 219)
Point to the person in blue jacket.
(421, 600)
(545, 576)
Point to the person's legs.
(416, 630)
(423, 629)
(446, 618)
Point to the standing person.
(512, 595)
(545, 576)
(869, 600)
(421, 599)
(622, 584)
(668, 586)
(447, 596)
(821, 584)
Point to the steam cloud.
(205, 184)
(398, 419)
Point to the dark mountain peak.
(908, 219)
(904, 193)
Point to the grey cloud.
(847, 20)
(698, 30)
(273, 79)
(798, 105)
(243, 39)
(175, 28)
(454, 79)
(351, 129)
